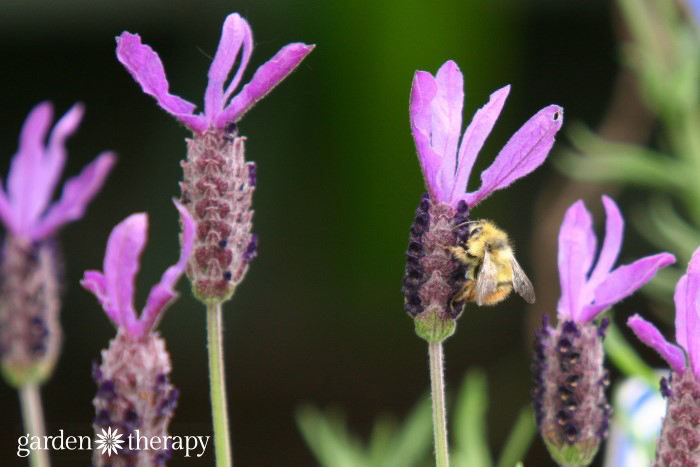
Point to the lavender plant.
(679, 443)
(433, 277)
(134, 391)
(570, 380)
(30, 331)
(218, 182)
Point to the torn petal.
(525, 151)
(235, 31)
(77, 194)
(614, 226)
(264, 80)
(164, 292)
(147, 69)
(474, 138)
(651, 336)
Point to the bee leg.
(459, 253)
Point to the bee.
(493, 271)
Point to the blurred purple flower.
(570, 379)
(687, 300)
(585, 295)
(679, 443)
(436, 121)
(114, 287)
(25, 207)
(220, 109)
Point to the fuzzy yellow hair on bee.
(492, 270)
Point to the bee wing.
(487, 280)
(521, 283)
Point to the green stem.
(217, 381)
(33, 417)
(437, 384)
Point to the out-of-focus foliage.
(409, 444)
(664, 53)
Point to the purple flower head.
(687, 299)
(220, 108)
(114, 287)
(436, 121)
(588, 289)
(25, 206)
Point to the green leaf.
(471, 446)
(625, 358)
(414, 439)
(603, 161)
(520, 439)
(328, 438)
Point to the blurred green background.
(319, 317)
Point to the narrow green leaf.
(471, 446)
(328, 439)
(413, 442)
(520, 439)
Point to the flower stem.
(33, 417)
(217, 381)
(437, 383)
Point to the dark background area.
(319, 317)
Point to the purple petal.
(121, 264)
(77, 194)
(623, 282)
(651, 336)
(473, 140)
(446, 113)
(525, 151)
(163, 293)
(614, 225)
(423, 92)
(264, 80)
(687, 298)
(147, 69)
(95, 282)
(575, 257)
(235, 33)
(24, 191)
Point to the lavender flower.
(570, 381)
(133, 385)
(432, 277)
(218, 183)
(30, 333)
(679, 443)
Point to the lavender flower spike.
(30, 333)
(679, 443)
(570, 381)
(133, 385)
(218, 184)
(432, 276)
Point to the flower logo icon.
(109, 441)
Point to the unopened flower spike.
(133, 382)
(679, 442)
(218, 183)
(570, 380)
(433, 277)
(30, 333)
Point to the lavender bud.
(679, 443)
(30, 332)
(217, 190)
(569, 395)
(134, 393)
(432, 277)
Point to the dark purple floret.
(665, 386)
(603, 326)
(252, 173)
(106, 390)
(251, 250)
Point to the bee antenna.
(466, 223)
